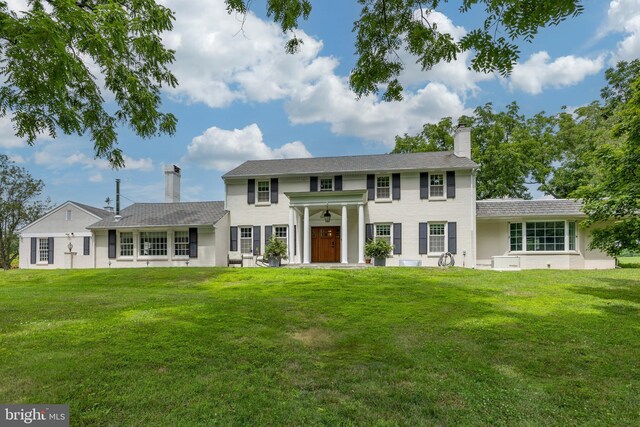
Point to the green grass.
(392, 346)
(629, 262)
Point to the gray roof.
(345, 164)
(502, 208)
(165, 215)
(100, 213)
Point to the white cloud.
(8, 139)
(538, 73)
(96, 177)
(224, 149)
(16, 158)
(62, 155)
(623, 16)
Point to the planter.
(380, 262)
(274, 261)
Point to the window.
(43, 250)
(572, 236)
(280, 232)
(436, 238)
(153, 243)
(126, 244)
(383, 187)
(515, 236)
(436, 185)
(263, 192)
(68, 214)
(326, 184)
(383, 232)
(181, 243)
(246, 242)
(545, 236)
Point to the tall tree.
(53, 52)
(387, 26)
(19, 205)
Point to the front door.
(325, 244)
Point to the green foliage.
(377, 248)
(275, 248)
(315, 347)
(387, 26)
(19, 205)
(51, 57)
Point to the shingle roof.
(522, 208)
(100, 213)
(165, 215)
(345, 164)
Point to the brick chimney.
(462, 142)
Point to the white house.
(326, 208)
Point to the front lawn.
(384, 346)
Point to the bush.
(377, 248)
(275, 248)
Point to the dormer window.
(326, 184)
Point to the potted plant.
(275, 250)
(379, 250)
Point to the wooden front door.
(325, 244)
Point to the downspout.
(474, 173)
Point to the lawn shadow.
(618, 289)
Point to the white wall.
(493, 240)
(56, 225)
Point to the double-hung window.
(263, 191)
(246, 240)
(436, 238)
(515, 236)
(43, 250)
(326, 184)
(153, 243)
(436, 185)
(280, 232)
(383, 187)
(383, 232)
(126, 244)
(181, 243)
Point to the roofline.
(112, 227)
(54, 209)
(531, 216)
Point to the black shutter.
(34, 250)
(251, 191)
(395, 186)
(233, 239)
(112, 244)
(193, 243)
(50, 260)
(453, 241)
(371, 187)
(451, 184)
(274, 190)
(313, 184)
(369, 232)
(424, 185)
(422, 239)
(268, 230)
(337, 183)
(256, 240)
(86, 248)
(397, 238)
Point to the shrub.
(377, 248)
(275, 248)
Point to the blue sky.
(241, 97)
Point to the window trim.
(444, 186)
(377, 187)
(375, 231)
(39, 259)
(566, 244)
(250, 227)
(119, 248)
(286, 233)
(329, 178)
(143, 256)
(174, 255)
(258, 192)
(445, 236)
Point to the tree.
(51, 55)
(19, 205)
(387, 26)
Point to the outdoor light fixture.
(327, 215)
(70, 246)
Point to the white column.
(299, 237)
(307, 237)
(343, 236)
(290, 236)
(361, 234)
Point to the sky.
(241, 97)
